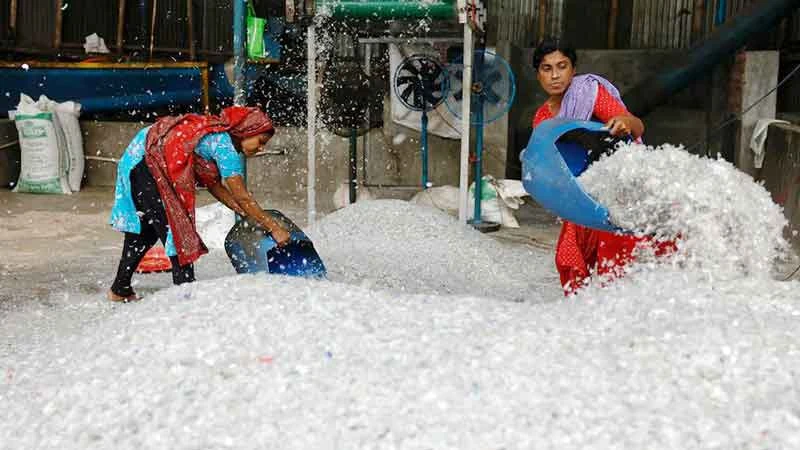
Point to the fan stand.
(353, 164)
(424, 148)
(477, 222)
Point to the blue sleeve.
(219, 148)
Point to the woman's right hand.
(280, 235)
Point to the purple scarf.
(578, 102)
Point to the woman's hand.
(625, 125)
(280, 236)
(254, 211)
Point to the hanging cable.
(738, 116)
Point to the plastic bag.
(255, 33)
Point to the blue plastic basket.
(251, 250)
(549, 168)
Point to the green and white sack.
(67, 114)
(44, 157)
(499, 199)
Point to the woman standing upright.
(582, 251)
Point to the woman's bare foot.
(118, 298)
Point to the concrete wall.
(9, 153)
(755, 74)
(390, 163)
(103, 144)
(781, 174)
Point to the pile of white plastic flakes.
(429, 335)
(723, 221)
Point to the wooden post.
(121, 26)
(698, 20)
(12, 18)
(204, 80)
(59, 22)
(613, 14)
(153, 27)
(290, 11)
(190, 25)
(542, 19)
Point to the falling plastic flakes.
(727, 223)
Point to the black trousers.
(153, 217)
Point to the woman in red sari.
(582, 251)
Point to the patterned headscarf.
(245, 122)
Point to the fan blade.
(413, 68)
(492, 78)
(405, 79)
(407, 92)
(491, 96)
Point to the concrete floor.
(53, 245)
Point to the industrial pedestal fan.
(420, 84)
(491, 96)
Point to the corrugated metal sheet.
(667, 24)
(5, 29)
(35, 24)
(84, 17)
(662, 24)
(517, 21)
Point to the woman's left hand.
(620, 126)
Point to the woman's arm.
(625, 124)
(253, 210)
(618, 119)
(221, 193)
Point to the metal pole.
(478, 170)
(463, 196)
(311, 126)
(365, 140)
(239, 97)
(424, 139)
(121, 26)
(353, 163)
(476, 217)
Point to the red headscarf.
(246, 122)
(171, 159)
